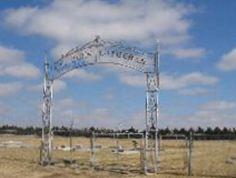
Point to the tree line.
(216, 132)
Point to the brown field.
(210, 159)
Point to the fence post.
(141, 149)
(71, 151)
(92, 155)
(117, 149)
(159, 151)
(145, 152)
(156, 152)
(190, 144)
(40, 152)
(159, 143)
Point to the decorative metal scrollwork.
(100, 51)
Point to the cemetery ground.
(19, 157)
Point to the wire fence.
(173, 154)
(120, 152)
(198, 155)
(116, 152)
(212, 156)
(18, 150)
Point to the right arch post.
(151, 148)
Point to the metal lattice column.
(46, 147)
(151, 116)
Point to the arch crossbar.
(100, 51)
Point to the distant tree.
(217, 130)
(132, 130)
(209, 131)
(175, 131)
(191, 129)
(167, 131)
(200, 130)
(183, 131)
(92, 129)
(225, 131)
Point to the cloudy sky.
(198, 61)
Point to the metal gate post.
(46, 118)
(152, 113)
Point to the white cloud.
(228, 61)
(169, 82)
(74, 22)
(193, 91)
(4, 109)
(58, 85)
(133, 80)
(195, 78)
(219, 113)
(82, 74)
(87, 115)
(215, 113)
(65, 103)
(138, 120)
(10, 56)
(12, 63)
(219, 105)
(12, 88)
(35, 88)
(189, 53)
(23, 70)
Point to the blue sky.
(198, 61)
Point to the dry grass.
(209, 159)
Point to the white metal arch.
(99, 51)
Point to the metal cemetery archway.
(100, 51)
